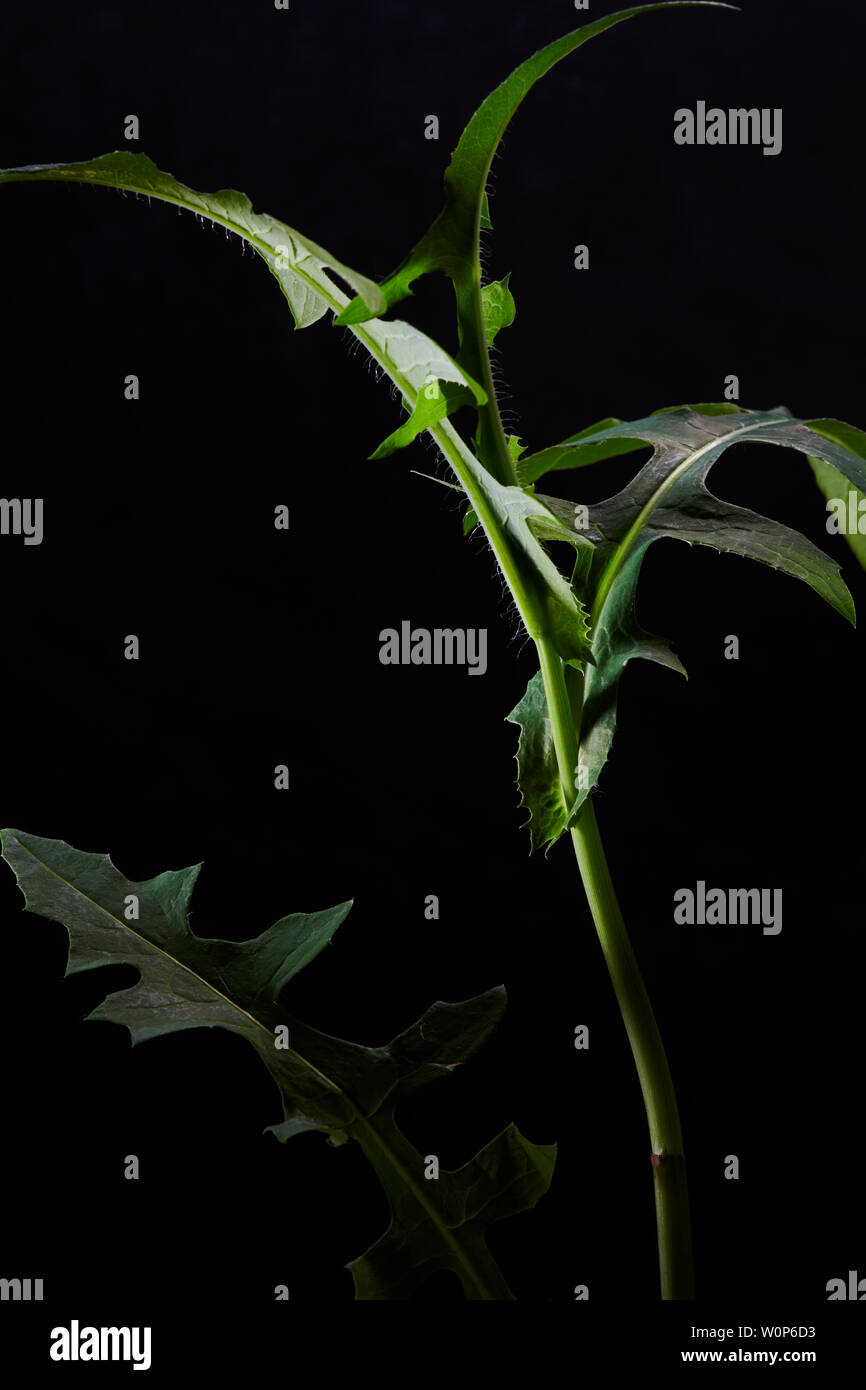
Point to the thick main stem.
(669, 1172)
(673, 1223)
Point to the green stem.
(666, 1140)
(491, 446)
(669, 1173)
(565, 711)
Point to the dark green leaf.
(668, 497)
(342, 1089)
(606, 446)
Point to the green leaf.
(668, 497)
(537, 772)
(515, 522)
(619, 638)
(339, 1088)
(564, 455)
(498, 307)
(834, 484)
(408, 356)
(298, 264)
(515, 448)
(437, 400)
(450, 244)
(504, 1178)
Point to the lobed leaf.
(339, 1088)
(668, 497)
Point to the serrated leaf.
(537, 771)
(339, 1088)
(834, 484)
(498, 307)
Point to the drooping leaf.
(299, 265)
(605, 446)
(339, 1088)
(668, 497)
(835, 485)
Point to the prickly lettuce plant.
(584, 629)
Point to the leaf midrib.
(363, 1119)
(620, 554)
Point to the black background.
(261, 647)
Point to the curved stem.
(673, 1223)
